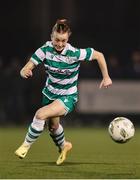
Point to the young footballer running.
(62, 63)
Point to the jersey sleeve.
(85, 54)
(38, 56)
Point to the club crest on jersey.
(52, 56)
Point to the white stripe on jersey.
(49, 43)
(64, 81)
(70, 47)
(83, 54)
(69, 91)
(40, 54)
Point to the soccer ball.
(121, 129)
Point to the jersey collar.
(64, 50)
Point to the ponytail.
(62, 26)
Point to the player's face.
(59, 40)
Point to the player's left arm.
(106, 82)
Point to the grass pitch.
(94, 156)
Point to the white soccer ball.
(121, 129)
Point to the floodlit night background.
(111, 26)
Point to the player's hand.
(106, 82)
(26, 73)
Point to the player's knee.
(53, 126)
(40, 114)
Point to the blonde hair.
(61, 26)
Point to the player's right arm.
(26, 71)
(36, 58)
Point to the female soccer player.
(62, 62)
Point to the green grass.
(94, 156)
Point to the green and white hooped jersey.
(62, 69)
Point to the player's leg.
(35, 129)
(56, 131)
(57, 135)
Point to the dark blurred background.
(111, 26)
